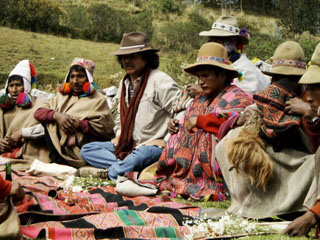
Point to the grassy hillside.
(52, 55)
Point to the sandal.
(88, 171)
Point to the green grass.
(224, 205)
(275, 237)
(52, 55)
(208, 204)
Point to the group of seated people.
(242, 135)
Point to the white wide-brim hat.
(225, 26)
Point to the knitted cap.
(26, 70)
(88, 65)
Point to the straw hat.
(132, 43)
(288, 59)
(212, 54)
(312, 75)
(225, 26)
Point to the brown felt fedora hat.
(212, 54)
(133, 42)
(312, 75)
(225, 26)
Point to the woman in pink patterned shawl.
(187, 165)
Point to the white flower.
(76, 189)
(67, 184)
(226, 225)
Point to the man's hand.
(191, 123)
(15, 138)
(5, 145)
(115, 140)
(17, 191)
(173, 126)
(245, 116)
(194, 89)
(67, 123)
(296, 106)
(301, 225)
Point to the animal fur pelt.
(247, 152)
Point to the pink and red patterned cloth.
(99, 213)
(187, 164)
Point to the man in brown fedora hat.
(226, 32)
(146, 96)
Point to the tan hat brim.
(285, 70)
(311, 76)
(193, 67)
(222, 33)
(133, 50)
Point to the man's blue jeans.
(101, 155)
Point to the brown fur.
(247, 153)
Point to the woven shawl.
(126, 143)
(16, 119)
(188, 161)
(93, 108)
(271, 103)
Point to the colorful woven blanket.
(49, 211)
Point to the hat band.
(291, 63)
(226, 27)
(135, 46)
(213, 58)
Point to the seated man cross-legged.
(77, 115)
(146, 97)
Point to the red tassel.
(32, 70)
